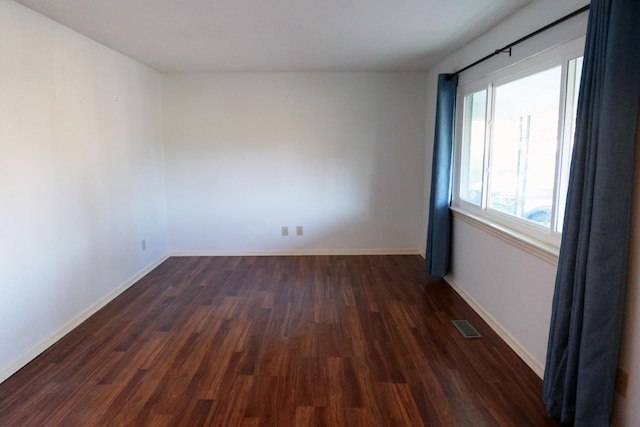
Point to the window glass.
(573, 87)
(515, 141)
(475, 111)
(524, 144)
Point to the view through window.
(515, 145)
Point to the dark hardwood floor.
(278, 341)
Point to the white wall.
(512, 288)
(340, 154)
(81, 179)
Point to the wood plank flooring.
(278, 341)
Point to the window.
(515, 140)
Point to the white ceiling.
(281, 35)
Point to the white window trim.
(530, 237)
(544, 251)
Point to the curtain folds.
(588, 302)
(439, 228)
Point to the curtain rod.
(507, 48)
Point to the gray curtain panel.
(588, 303)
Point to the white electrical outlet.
(299, 230)
(144, 245)
(285, 231)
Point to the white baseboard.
(27, 357)
(299, 252)
(511, 341)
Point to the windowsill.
(544, 251)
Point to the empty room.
(327, 213)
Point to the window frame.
(512, 227)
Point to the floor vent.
(466, 329)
